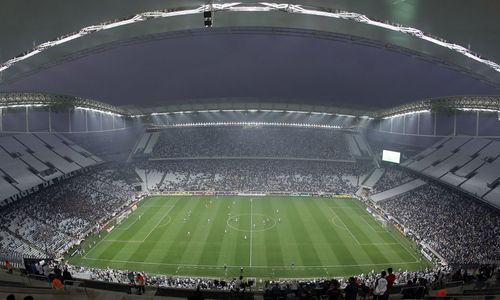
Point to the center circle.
(251, 223)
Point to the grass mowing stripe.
(210, 251)
(178, 233)
(390, 233)
(306, 236)
(343, 224)
(373, 251)
(159, 222)
(287, 240)
(324, 228)
(315, 231)
(346, 246)
(251, 231)
(241, 251)
(148, 246)
(306, 250)
(271, 239)
(229, 238)
(195, 244)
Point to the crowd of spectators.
(460, 229)
(252, 142)
(254, 175)
(392, 178)
(49, 221)
(363, 285)
(410, 284)
(125, 276)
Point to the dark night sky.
(232, 65)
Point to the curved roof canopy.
(466, 103)
(424, 45)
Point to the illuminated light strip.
(97, 111)
(478, 109)
(408, 113)
(23, 105)
(210, 124)
(263, 7)
(349, 116)
(250, 110)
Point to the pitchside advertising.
(391, 156)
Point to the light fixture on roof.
(207, 16)
(408, 113)
(97, 111)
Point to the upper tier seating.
(469, 164)
(29, 160)
(267, 142)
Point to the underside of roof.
(54, 34)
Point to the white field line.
(345, 226)
(95, 246)
(260, 267)
(168, 211)
(354, 237)
(402, 244)
(130, 225)
(335, 223)
(373, 228)
(120, 241)
(128, 241)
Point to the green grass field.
(270, 237)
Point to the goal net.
(381, 220)
(122, 217)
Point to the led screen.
(391, 156)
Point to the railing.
(33, 279)
(75, 286)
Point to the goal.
(122, 217)
(381, 220)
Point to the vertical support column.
(391, 124)
(418, 124)
(455, 123)
(380, 124)
(86, 121)
(113, 121)
(69, 120)
(50, 119)
(1, 119)
(27, 121)
(404, 124)
(100, 120)
(435, 121)
(477, 123)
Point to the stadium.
(241, 150)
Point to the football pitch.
(270, 237)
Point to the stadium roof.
(365, 54)
(64, 102)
